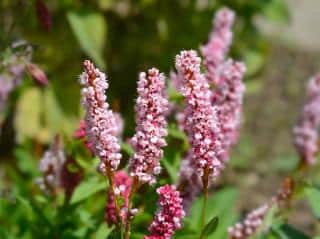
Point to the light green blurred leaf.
(90, 30)
(313, 197)
(87, 189)
(103, 231)
(172, 168)
(54, 118)
(276, 11)
(254, 61)
(27, 121)
(127, 148)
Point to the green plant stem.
(205, 183)
(134, 188)
(204, 209)
(110, 176)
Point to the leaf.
(103, 231)
(254, 61)
(87, 189)
(172, 168)
(54, 117)
(127, 148)
(90, 30)
(27, 121)
(220, 204)
(25, 205)
(292, 233)
(210, 227)
(313, 197)
(276, 11)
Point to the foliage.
(122, 37)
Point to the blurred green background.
(124, 37)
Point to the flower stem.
(110, 176)
(135, 186)
(205, 180)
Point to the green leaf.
(313, 197)
(127, 148)
(172, 168)
(103, 231)
(220, 204)
(210, 227)
(292, 233)
(90, 30)
(254, 61)
(87, 189)
(27, 121)
(276, 11)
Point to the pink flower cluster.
(220, 39)
(228, 97)
(306, 130)
(51, 166)
(169, 216)
(250, 225)
(11, 75)
(123, 185)
(201, 116)
(81, 133)
(151, 107)
(100, 121)
(254, 219)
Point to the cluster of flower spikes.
(201, 121)
(253, 221)
(100, 121)
(306, 130)
(123, 185)
(151, 107)
(169, 215)
(51, 166)
(228, 97)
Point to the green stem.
(135, 186)
(110, 176)
(204, 209)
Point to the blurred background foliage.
(124, 37)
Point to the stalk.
(110, 176)
(135, 186)
(205, 181)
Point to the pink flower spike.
(250, 224)
(228, 97)
(51, 166)
(151, 107)
(100, 122)
(220, 39)
(306, 130)
(169, 215)
(202, 125)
